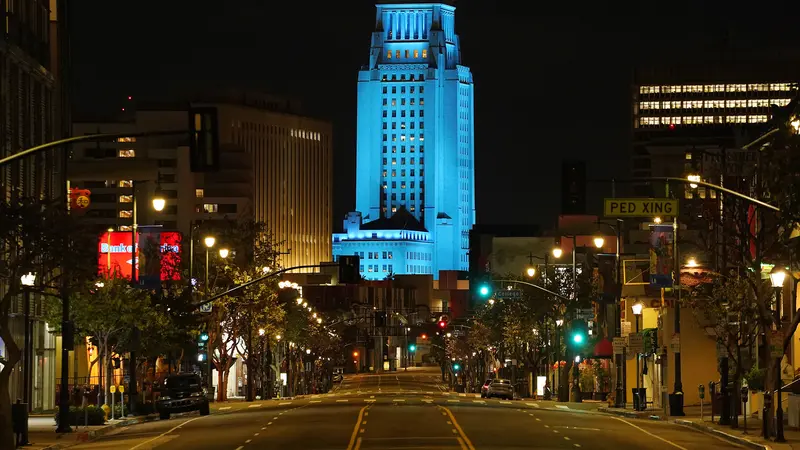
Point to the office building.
(32, 114)
(275, 167)
(415, 146)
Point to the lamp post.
(636, 308)
(557, 252)
(619, 362)
(531, 271)
(27, 281)
(777, 277)
(209, 241)
(559, 324)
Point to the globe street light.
(223, 253)
(531, 271)
(210, 241)
(28, 281)
(636, 308)
(691, 262)
(159, 202)
(777, 277)
(557, 252)
(599, 242)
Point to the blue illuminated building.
(415, 147)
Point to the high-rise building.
(31, 114)
(275, 167)
(415, 147)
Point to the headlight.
(196, 394)
(166, 397)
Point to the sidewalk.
(692, 419)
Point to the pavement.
(400, 410)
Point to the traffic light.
(355, 354)
(484, 290)
(349, 266)
(442, 324)
(578, 335)
(202, 346)
(424, 336)
(412, 348)
(456, 367)
(203, 139)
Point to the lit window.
(125, 183)
(125, 198)
(779, 87)
(736, 119)
(397, 54)
(199, 193)
(758, 118)
(394, 102)
(126, 139)
(127, 153)
(210, 207)
(125, 228)
(126, 214)
(424, 55)
(389, 54)
(416, 53)
(758, 87)
(736, 88)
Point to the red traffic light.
(424, 336)
(442, 324)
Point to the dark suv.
(182, 393)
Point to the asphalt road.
(404, 410)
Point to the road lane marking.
(578, 428)
(240, 447)
(482, 402)
(566, 438)
(284, 403)
(254, 406)
(453, 401)
(535, 405)
(167, 432)
(399, 400)
(256, 434)
(538, 419)
(248, 441)
(315, 401)
(577, 445)
(224, 408)
(275, 418)
(505, 403)
(651, 434)
(460, 430)
(353, 445)
(547, 426)
(269, 423)
(342, 400)
(428, 401)
(263, 428)
(369, 400)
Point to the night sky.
(548, 85)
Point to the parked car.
(485, 388)
(501, 388)
(182, 393)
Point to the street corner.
(730, 437)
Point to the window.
(384, 89)
(416, 53)
(210, 207)
(397, 54)
(126, 214)
(389, 56)
(127, 153)
(126, 139)
(125, 198)
(390, 257)
(406, 53)
(384, 255)
(125, 183)
(424, 55)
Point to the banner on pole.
(662, 259)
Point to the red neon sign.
(115, 256)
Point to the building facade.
(31, 114)
(415, 146)
(275, 167)
(387, 246)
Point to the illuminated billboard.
(157, 256)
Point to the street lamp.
(261, 331)
(656, 220)
(223, 253)
(599, 242)
(531, 271)
(693, 178)
(159, 202)
(777, 277)
(209, 241)
(28, 281)
(691, 262)
(636, 308)
(557, 252)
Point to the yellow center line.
(461, 433)
(353, 442)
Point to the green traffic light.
(204, 336)
(577, 338)
(456, 366)
(484, 291)
(412, 348)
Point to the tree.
(37, 237)
(252, 253)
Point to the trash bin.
(640, 400)
(19, 422)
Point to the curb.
(81, 437)
(616, 412)
(722, 435)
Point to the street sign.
(675, 344)
(640, 207)
(206, 307)
(584, 314)
(619, 345)
(113, 389)
(506, 294)
(121, 389)
(635, 343)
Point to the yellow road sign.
(121, 389)
(640, 207)
(113, 389)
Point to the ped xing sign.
(640, 207)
